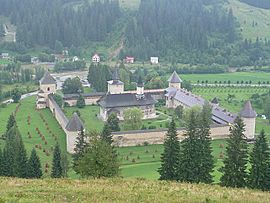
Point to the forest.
(178, 31)
(58, 23)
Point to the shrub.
(152, 127)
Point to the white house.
(75, 58)
(96, 58)
(154, 60)
(5, 55)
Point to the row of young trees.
(192, 160)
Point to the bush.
(152, 127)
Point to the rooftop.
(247, 111)
(175, 78)
(125, 100)
(75, 123)
(47, 79)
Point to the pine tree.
(11, 122)
(259, 160)
(34, 166)
(235, 164)
(205, 156)
(170, 156)
(56, 164)
(7, 169)
(106, 134)
(113, 122)
(79, 147)
(188, 169)
(80, 102)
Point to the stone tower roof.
(247, 111)
(75, 123)
(47, 79)
(175, 78)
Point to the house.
(117, 101)
(129, 59)
(5, 55)
(75, 58)
(96, 58)
(34, 60)
(154, 60)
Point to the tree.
(1, 163)
(98, 160)
(113, 122)
(133, 118)
(34, 166)
(72, 86)
(11, 122)
(106, 134)
(16, 95)
(57, 171)
(80, 102)
(79, 147)
(259, 159)
(205, 156)
(235, 163)
(179, 110)
(170, 155)
(188, 169)
(266, 107)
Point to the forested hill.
(173, 27)
(258, 3)
(177, 31)
(46, 22)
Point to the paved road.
(8, 101)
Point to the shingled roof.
(75, 123)
(175, 78)
(115, 78)
(125, 100)
(47, 79)
(247, 111)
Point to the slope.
(254, 21)
(119, 190)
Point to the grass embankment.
(119, 190)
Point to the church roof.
(47, 79)
(125, 100)
(175, 78)
(115, 78)
(219, 115)
(75, 123)
(247, 111)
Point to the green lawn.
(255, 77)
(241, 95)
(88, 116)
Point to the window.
(48, 89)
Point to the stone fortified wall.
(130, 138)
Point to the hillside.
(254, 21)
(119, 190)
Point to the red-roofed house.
(130, 59)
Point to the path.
(116, 52)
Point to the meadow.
(121, 190)
(254, 22)
(39, 129)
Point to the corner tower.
(115, 86)
(140, 88)
(47, 85)
(248, 115)
(175, 81)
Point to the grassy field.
(38, 128)
(235, 105)
(119, 190)
(255, 77)
(248, 15)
